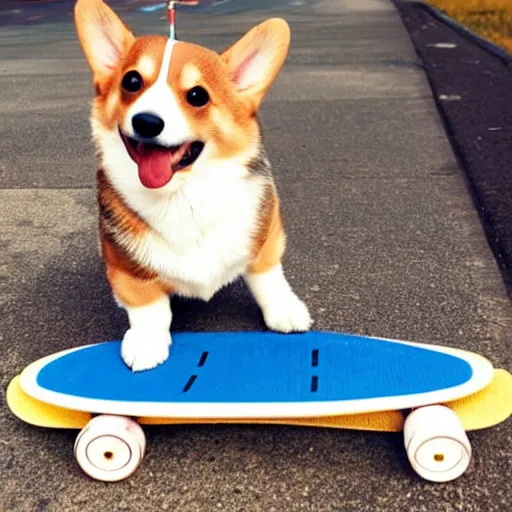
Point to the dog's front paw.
(144, 349)
(288, 314)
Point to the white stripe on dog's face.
(160, 101)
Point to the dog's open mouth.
(157, 164)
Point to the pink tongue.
(155, 169)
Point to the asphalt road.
(383, 240)
(473, 90)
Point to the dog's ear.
(103, 36)
(254, 61)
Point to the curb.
(492, 223)
(484, 43)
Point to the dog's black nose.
(147, 125)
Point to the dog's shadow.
(69, 303)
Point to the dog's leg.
(282, 310)
(146, 343)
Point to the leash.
(171, 9)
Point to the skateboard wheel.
(110, 448)
(436, 443)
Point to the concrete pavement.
(383, 240)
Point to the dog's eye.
(197, 96)
(132, 82)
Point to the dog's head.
(163, 107)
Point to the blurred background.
(34, 11)
(491, 19)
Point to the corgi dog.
(187, 201)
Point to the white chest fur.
(202, 221)
(201, 236)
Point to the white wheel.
(436, 443)
(110, 448)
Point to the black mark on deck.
(314, 357)
(314, 383)
(204, 356)
(189, 384)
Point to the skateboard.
(433, 394)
